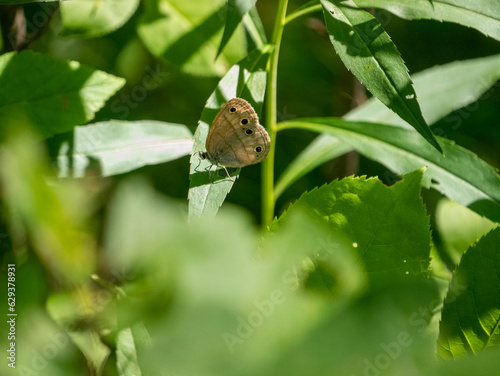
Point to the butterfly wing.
(236, 139)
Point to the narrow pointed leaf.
(235, 11)
(470, 321)
(460, 174)
(439, 95)
(246, 80)
(121, 146)
(368, 51)
(483, 15)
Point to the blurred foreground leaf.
(233, 298)
(54, 97)
(120, 146)
(54, 214)
(471, 312)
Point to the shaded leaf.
(121, 146)
(187, 34)
(459, 227)
(368, 51)
(74, 95)
(483, 15)
(246, 80)
(95, 18)
(470, 320)
(460, 174)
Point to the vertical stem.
(268, 199)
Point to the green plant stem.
(303, 12)
(268, 199)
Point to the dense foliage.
(365, 244)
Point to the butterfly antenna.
(194, 142)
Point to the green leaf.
(459, 227)
(235, 11)
(66, 310)
(245, 80)
(54, 226)
(72, 96)
(470, 320)
(483, 15)
(121, 146)
(376, 218)
(368, 51)
(7, 2)
(217, 273)
(126, 354)
(460, 174)
(95, 18)
(187, 34)
(439, 92)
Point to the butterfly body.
(236, 139)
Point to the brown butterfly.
(236, 139)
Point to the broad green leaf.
(235, 11)
(439, 94)
(72, 95)
(246, 80)
(483, 15)
(470, 320)
(121, 146)
(188, 33)
(459, 227)
(93, 18)
(459, 174)
(368, 51)
(71, 312)
(376, 218)
(53, 213)
(215, 288)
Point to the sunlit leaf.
(89, 19)
(54, 97)
(115, 147)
